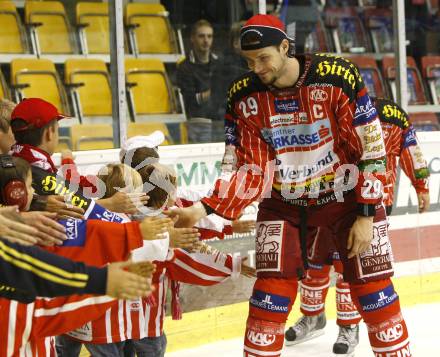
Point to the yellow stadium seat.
(92, 18)
(92, 136)
(92, 78)
(183, 133)
(4, 92)
(135, 129)
(12, 33)
(149, 86)
(49, 27)
(149, 28)
(38, 78)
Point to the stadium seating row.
(87, 84)
(86, 91)
(423, 87)
(100, 136)
(418, 92)
(50, 32)
(344, 29)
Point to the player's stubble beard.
(277, 73)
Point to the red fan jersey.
(23, 327)
(133, 320)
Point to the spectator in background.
(6, 136)
(196, 75)
(233, 64)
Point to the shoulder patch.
(390, 112)
(241, 86)
(336, 69)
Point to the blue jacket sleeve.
(27, 272)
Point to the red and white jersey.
(24, 327)
(298, 137)
(400, 142)
(206, 267)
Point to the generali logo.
(318, 95)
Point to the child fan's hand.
(154, 227)
(144, 269)
(185, 238)
(123, 284)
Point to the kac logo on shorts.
(286, 105)
(390, 334)
(260, 339)
(270, 302)
(378, 299)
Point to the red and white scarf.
(34, 156)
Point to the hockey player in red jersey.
(309, 145)
(400, 142)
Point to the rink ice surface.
(422, 321)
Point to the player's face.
(267, 63)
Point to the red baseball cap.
(262, 31)
(265, 20)
(36, 112)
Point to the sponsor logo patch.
(102, 214)
(260, 339)
(286, 105)
(391, 111)
(298, 136)
(238, 86)
(391, 334)
(378, 299)
(347, 71)
(318, 95)
(365, 111)
(378, 258)
(75, 232)
(269, 241)
(288, 118)
(409, 138)
(269, 302)
(292, 173)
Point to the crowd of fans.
(74, 239)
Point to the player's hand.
(122, 202)
(188, 216)
(50, 232)
(13, 228)
(424, 201)
(154, 227)
(123, 284)
(185, 238)
(63, 209)
(244, 226)
(360, 236)
(247, 270)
